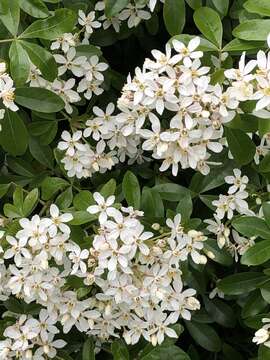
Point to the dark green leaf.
(14, 135)
(131, 190)
(63, 20)
(64, 200)
(35, 8)
(174, 15)
(257, 254)
(241, 146)
(51, 185)
(42, 58)
(11, 15)
(241, 283)
(42, 153)
(204, 335)
(152, 204)
(39, 99)
(19, 63)
(88, 350)
(252, 226)
(113, 7)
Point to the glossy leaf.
(19, 63)
(208, 22)
(35, 8)
(39, 99)
(13, 136)
(42, 58)
(63, 20)
(131, 190)
(174, 15)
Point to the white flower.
(7, 93)
(58, 221)
(188, 51)
(71, 143)
(78, 256)
(88, 21)
(239, 182)
(64, 42)
(71, 62)
(64, 90)
(103, 207)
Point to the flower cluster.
(170, 108)
(133, 13)
(139, 290)
(226, 207)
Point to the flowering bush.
(134, 185)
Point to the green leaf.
(261, 7)
(11, 15)
(200, 183)
(64, 200)
(171, 192)
(88, 350)
(21, 167)
(42, 153)
(42, 58)
(241, 283)
(3, 189)
(174, 15)
(51, 185)
(30, 202)
(19, 63)
(264, 353)
(221, 255)
(35, 8)
(131, 190)
(264, 165)
(39, 99)
(82, 217)
(63, 20)
(242, 45)
(119, 350)
(11, 211)
(257, 30)
(208, 22)
(255, 304)
(88, 51)
(266, 212)
(83, 199)
(230, 353)
(113, 7)
(257, 254)
(185, 206)
(18, 198)
(194, 4)
(108, 189)
(165, 353)
(251, 226)
(152, 204)
(241, 146)
(14, 135)
(221, 6)
(204, 335)
(220, 312)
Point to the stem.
(6, 40)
